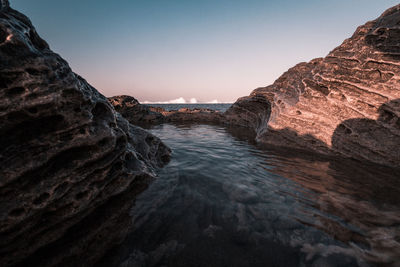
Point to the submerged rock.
(345, 104)
(66, 156)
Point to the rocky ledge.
(347, 103)
(66, 156)
(139, 114)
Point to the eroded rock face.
(64, 151)
(346, 103)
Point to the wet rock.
(344, 104)
(65, 153)
(241, 193)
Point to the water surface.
(225, 201)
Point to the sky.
(193, 51)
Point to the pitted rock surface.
(64, 151)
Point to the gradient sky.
(204, 49)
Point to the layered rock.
(139, 114)
(346, 103)
(65, 153)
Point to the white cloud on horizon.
(181, 100)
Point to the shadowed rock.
(64, 153)
(251, 113)
(382, 134)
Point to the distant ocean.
(218, 107)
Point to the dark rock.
(4, 4)
(136, 113)
(149, 147)
(344, 104)
(65, 153)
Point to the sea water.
(224, 200)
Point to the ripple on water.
(225, 201)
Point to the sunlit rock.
(346, 103)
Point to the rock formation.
(65, 155)
(345, 104)
(136, 113)
(139, 114)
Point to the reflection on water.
(225, 201)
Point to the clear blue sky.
(203, 49)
